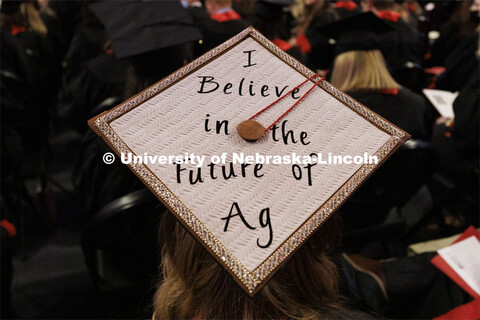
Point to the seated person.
(359, 69)
(364, 76)
(309, 39)
(403, 44)
(403, 47)
(271, 20)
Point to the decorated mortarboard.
(358, 32)
(250, 150)
(137, 27)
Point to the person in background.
(271, 20)
(359, 70)
(462, 59)
(28, 63)
(460, 23)
(412, 13)
(413, 286)
(217, 22)
(403, 48)
(364, 76)
(88, 42)
(151, 54)
(309, 38)
(456, 141)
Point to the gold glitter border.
(250, 281)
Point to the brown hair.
(196, 286)
(361, 70)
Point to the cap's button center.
(250, 130)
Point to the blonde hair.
(196, 286)
(361, 70)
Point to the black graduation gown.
(14, 100)
(35, 98)
(322, 53)
(445, 44)
(215, 32)
(100, 78)
(407, 110)
(56, 37)
(403, 174)
(466, 108)
(97, 183)
(87, 43)
(68, 14)
(457, 147)
(459, 64)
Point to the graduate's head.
(361, 70)
(359, 63)
(196, 286)
(156, 37)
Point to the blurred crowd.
(63, 62)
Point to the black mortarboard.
(268, 11)
(137, 27)
(357, 32)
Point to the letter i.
(206, 124)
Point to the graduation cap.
(357, 32)
(137, 27)
(250, 204)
